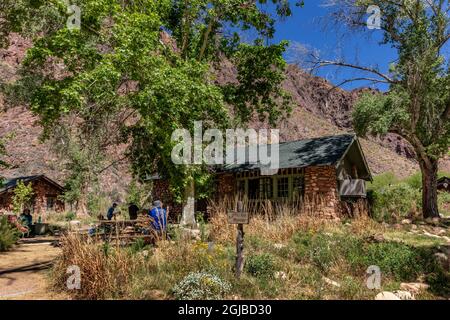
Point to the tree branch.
(371, 80)
(325, 63)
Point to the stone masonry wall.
(321, 190)
(42, 191)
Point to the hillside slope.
(317, 112)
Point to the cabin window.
(283, 187)
(298, 186)
(253, 188)
(266, 187)
(51, 203)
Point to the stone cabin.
(46, 194)
(331, 170)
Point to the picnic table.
(125, 231)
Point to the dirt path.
(23, 270)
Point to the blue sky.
(306, 27)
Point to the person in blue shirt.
(159, 217)
(110, 213)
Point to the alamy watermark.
(242, 147)
(74, 280)
(74, 19)
(374, 20)
(374, 279)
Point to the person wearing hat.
(159, 217)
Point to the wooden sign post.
(240, 218)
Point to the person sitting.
(111, 212)
(26, 219)
(159, 217)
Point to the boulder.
(414, 287)
(331, 282)
(397, 226)
(442, 258)
(434, 221)
(190, 234)
(406, 221)
(74, 224)
(378, 237)
(404, 295)
(280, 275)
(386, 295)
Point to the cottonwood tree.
(417, 105)
(156, 59)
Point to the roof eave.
(366, 165)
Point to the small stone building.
(330, 170)
(46, 194)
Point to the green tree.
(417, 106)
(3, 153)
(3, 164)
(23, 193)
(155, 64)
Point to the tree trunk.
(429, 169)
(82, 210)
(188, 216)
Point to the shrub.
(98, 203)
(395, 201)
(8, 234)
(395, 259)
(382, 181)
(351, 288)
(138, 245)
(201, 286)
(70, 216)
(415, 181)
(444, 203)
(319, 249)
(261, 265)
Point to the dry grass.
(305, 248)
(105, 270)
(277, 222)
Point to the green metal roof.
(304, 153)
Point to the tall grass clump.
(277, 222)
(8, 234)
(106, 271)
(260, 265)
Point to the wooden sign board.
(238, 217)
